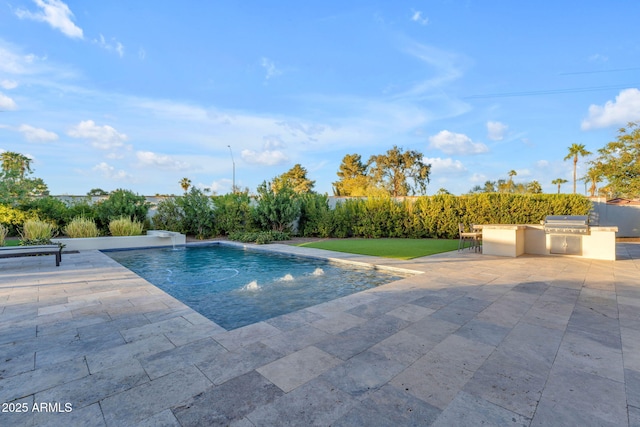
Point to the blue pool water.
(236, 287)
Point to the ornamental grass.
(81, 227)
(124, 226)
(3, 234)
(36, 232)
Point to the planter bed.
(153, 238)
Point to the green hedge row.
(199, 214)
(438, 216)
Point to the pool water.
(236, 287)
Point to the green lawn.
(12, 242)
(388, 248)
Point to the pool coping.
(475, 339)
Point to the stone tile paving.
(474, 340)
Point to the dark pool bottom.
(237, 287)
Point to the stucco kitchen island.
(513, 240)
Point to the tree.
(489, 187)
(15, 185)
(593, 177)
(296, 179)
(533, 187)
(15, 165)
(575, 151)
(353, 177)
(559, 182)
(619, 163)
(512, 173)
(97, 192)
(185, 183)
(394, 170)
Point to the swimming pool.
(236, 287)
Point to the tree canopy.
(575, 151)
(399, 172)
(15, 183)
(618, 163)
(353, 177)
(296, 179)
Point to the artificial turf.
(388, 248)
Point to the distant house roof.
(620, 201)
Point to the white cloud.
(445, 166)
(265, 157)
(7, 103)
(270, 68)
(625, 108)
(419, 17)
(478, 177)
(8, 84)
(56, 13)
(33, 134)
(112, 46)
(272, 142)
(102, 137)
(456, 143)
(162, 161)
(496, 130)
(221, 186)
(110, 172)
(13, 61)
(541, 164)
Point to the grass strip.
(387, 248)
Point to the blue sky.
(138, 95)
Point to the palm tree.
(15, 165)
(559, 181)
(512, 173)
(185, 183)
(593, 176)
(575, 151)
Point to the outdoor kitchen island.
(513, 240)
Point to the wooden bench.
(19, 251)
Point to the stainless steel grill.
(565, 233)
(566, 224)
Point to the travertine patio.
(474, 340)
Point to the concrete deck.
(476, 339)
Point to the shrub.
(12, 218)
(232, 213)
(82, 208)
(49, 209)
(259, 237)
(277, 210)
(3, 234)
(82, 227)
(169, 216)
(314, 210)
(36, 232)
(125, 226)
(121, 203)
(198, 217)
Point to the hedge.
(438, 216)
